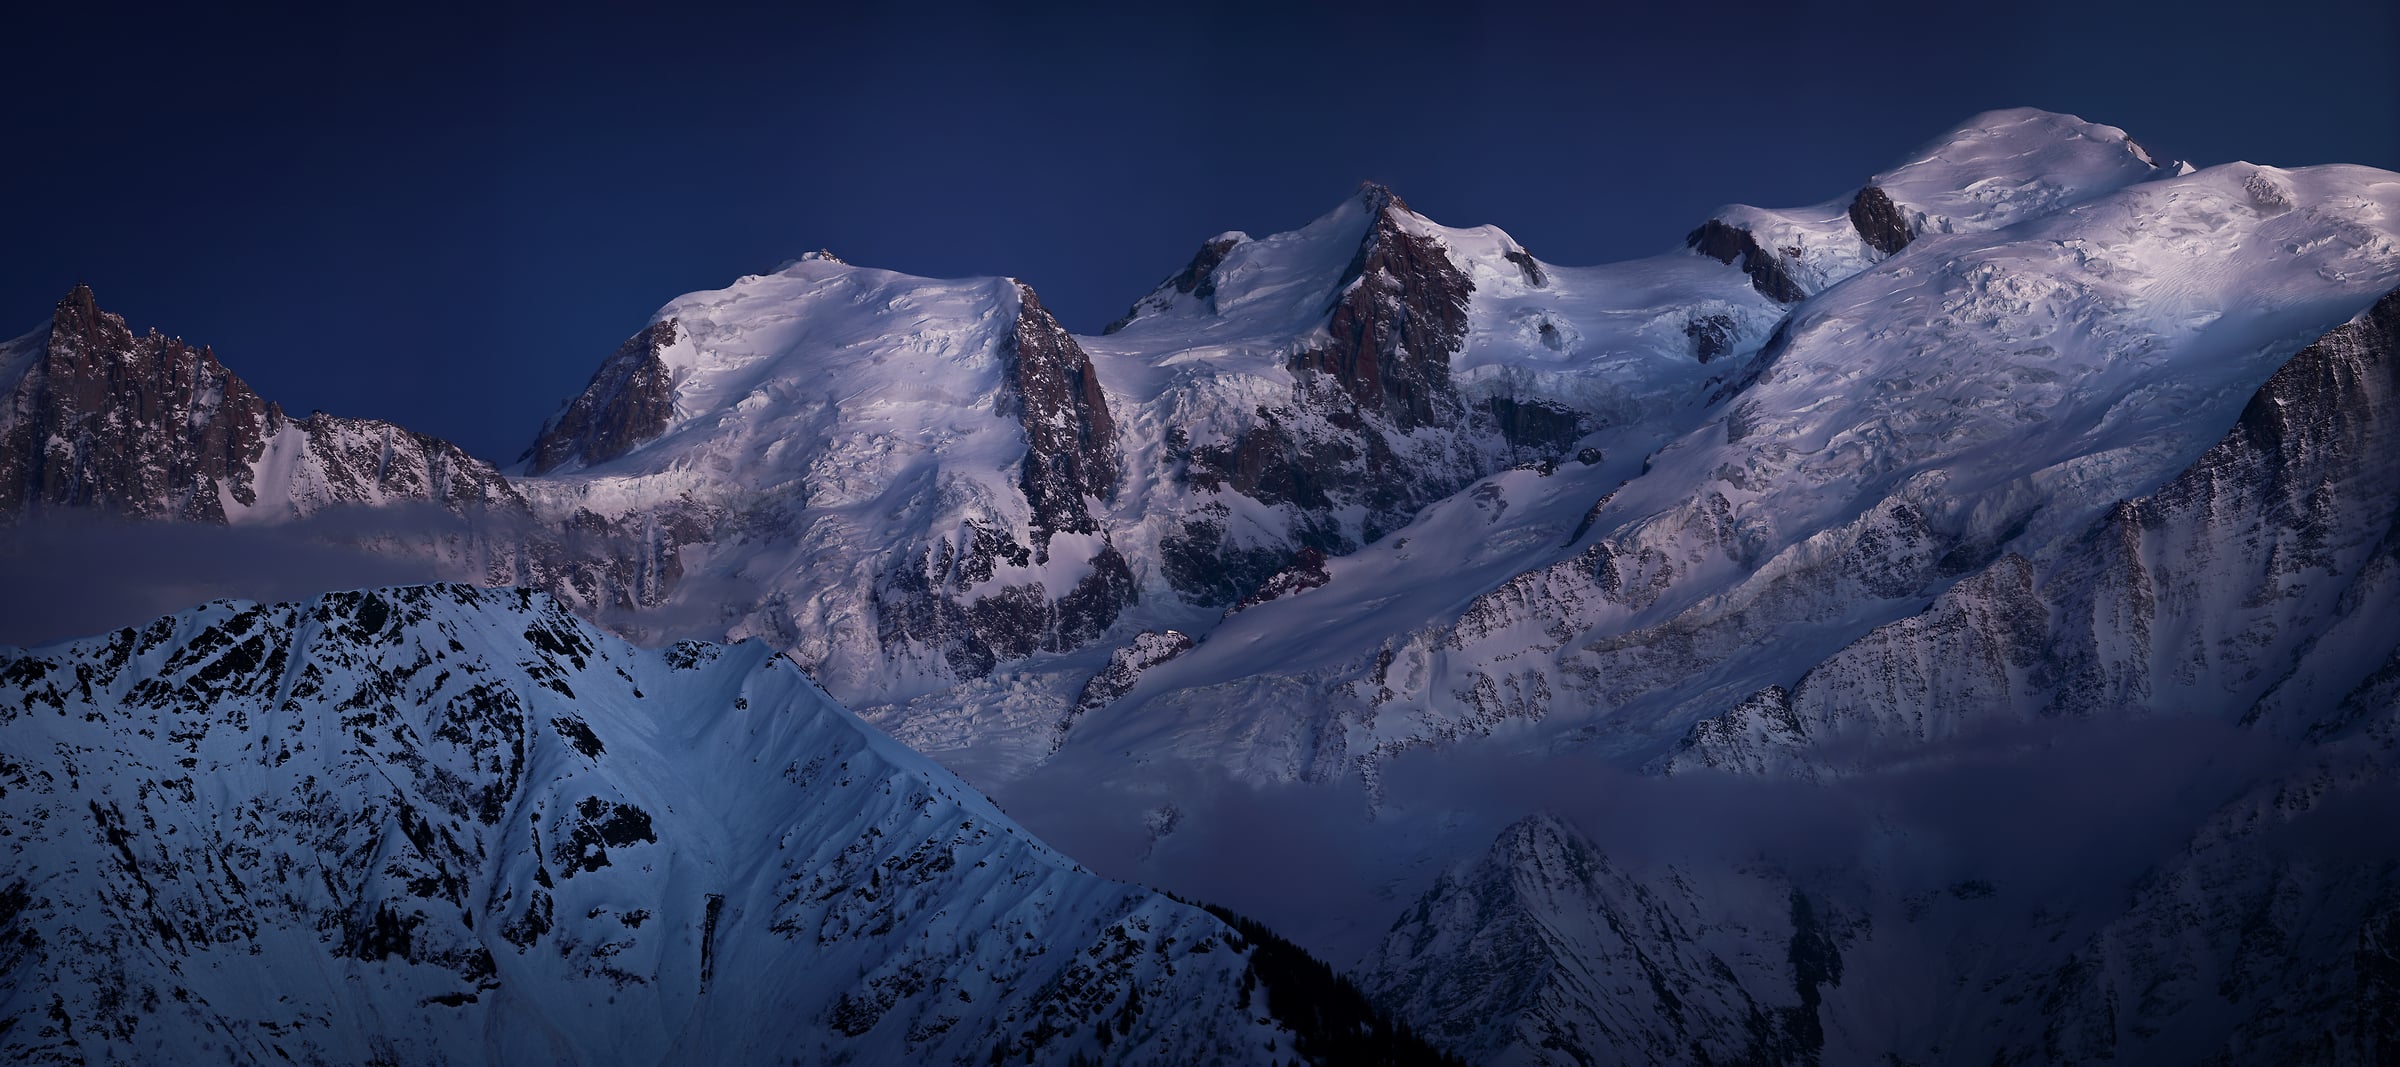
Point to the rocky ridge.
(497, 831)
(148, 426)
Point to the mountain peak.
(1379, 197)
(1996, 169)
(2002, 167)
(818, 256)
(79, 310)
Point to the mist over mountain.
(1952, 620)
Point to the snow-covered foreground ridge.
(442, 824)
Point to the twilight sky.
(448, 216)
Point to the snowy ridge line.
(444, 824)
(2020, 386)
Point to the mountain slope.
(2251, 586)
(1974, 395)
(1551, 954)
(436, 824)
(2257, 593)
(1991, 171)
(903, 470)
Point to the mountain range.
(1951, 621)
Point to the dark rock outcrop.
(1879, 221)
(1536, 430)
(1712, 336)
(936, 600)
(1306, 572)
(1197, 279)
(1526, 263)
(1207, 566)
(150, 427)
(1375, 427)
(627, 403)
(1399, 313)
(145, 426)
(1125, 666)
(1071, 442)
(1726, 244)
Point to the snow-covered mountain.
(1546, 949)
(908, 484)
(2257, 585)
(1997, 169)
(1976, 394)
(2027, 440)
(2257, 593)
(903, 470)
(951, 511)
(441, 824)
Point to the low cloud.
(2064, 816)
(71, 576)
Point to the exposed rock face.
(142, 426)
(1071, 443)
(1375, 427)
(1712, 336)
(1726, 244)
(1551, 954)
(1879, 221)
(2236, 570)
(1125, 666)
(1197, 279)
(1526, 263)
(149, 427)
(946, 602)
(1306, 572)
(628, 402)
(501, 834)
(1399, 314)
(1536, 430)
(1207, 566)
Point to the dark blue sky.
(448, 217)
